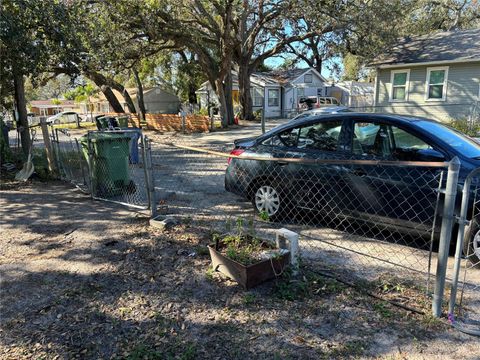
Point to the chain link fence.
(464, 307)
(109, 165)
(71, 162)
(374, 221)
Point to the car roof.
(325, 109)
(341, 116)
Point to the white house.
(354, 94)
(279, 91)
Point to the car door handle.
(359, 172)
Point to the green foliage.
(309, 284)
(175, 350)
(383, 309)
(351, 67)
(258, 114)
(469, 128)
(203, 111)
(264, 216)
(249, 298)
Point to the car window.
(407, 141)
(387, 142)
(458, 141)
(287, 138)
(320, 136)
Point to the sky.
(326, 66)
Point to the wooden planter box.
(249, 275)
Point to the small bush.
(470, 128)
(258, 114)
(203, 111)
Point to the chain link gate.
(71, 163)
(118, 173)
(464, 306)
(113, 165)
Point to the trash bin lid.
(99, 137)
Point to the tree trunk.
(112, 99)
(192, 96)
(22, 121)
(141, 103)
(229, 99)
(244, 87)
(100, 80)
(223, 104)
(126, 97)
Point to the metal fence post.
(91, 170)
(149, 177)
(56, 155)
(460, 239)
(48, 145)
(445, 235)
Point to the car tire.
(471, 244)
(268, 199)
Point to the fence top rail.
(429, 164)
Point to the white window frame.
(305, 78)
(445, 82)
(278, 98)
(407, 84)
(260, 96)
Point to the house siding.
(158, 101)
(462, 93)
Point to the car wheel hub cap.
(267, 200)
(476, 244)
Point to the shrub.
(471, 128)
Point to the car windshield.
(460, 142)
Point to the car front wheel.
(471, 246)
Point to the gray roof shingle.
(440, 46)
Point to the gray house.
(156, 99)
(435, 76)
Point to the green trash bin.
(122, 121)
(109, 166)
(102, 122)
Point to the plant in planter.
(247, 259)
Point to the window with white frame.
(257, 96)
(308, 78)
(436, 88)
(273, 97)
(301, 92)
(399, 81)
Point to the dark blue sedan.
(402, 198)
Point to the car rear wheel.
(267, 200)
(471, 246)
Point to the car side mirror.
(430, 155)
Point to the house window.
(399, 81)
(257, 96)
(308, 78)
(273, 97)
(301, 92)
(436, 88)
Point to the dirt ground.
(89, 280)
